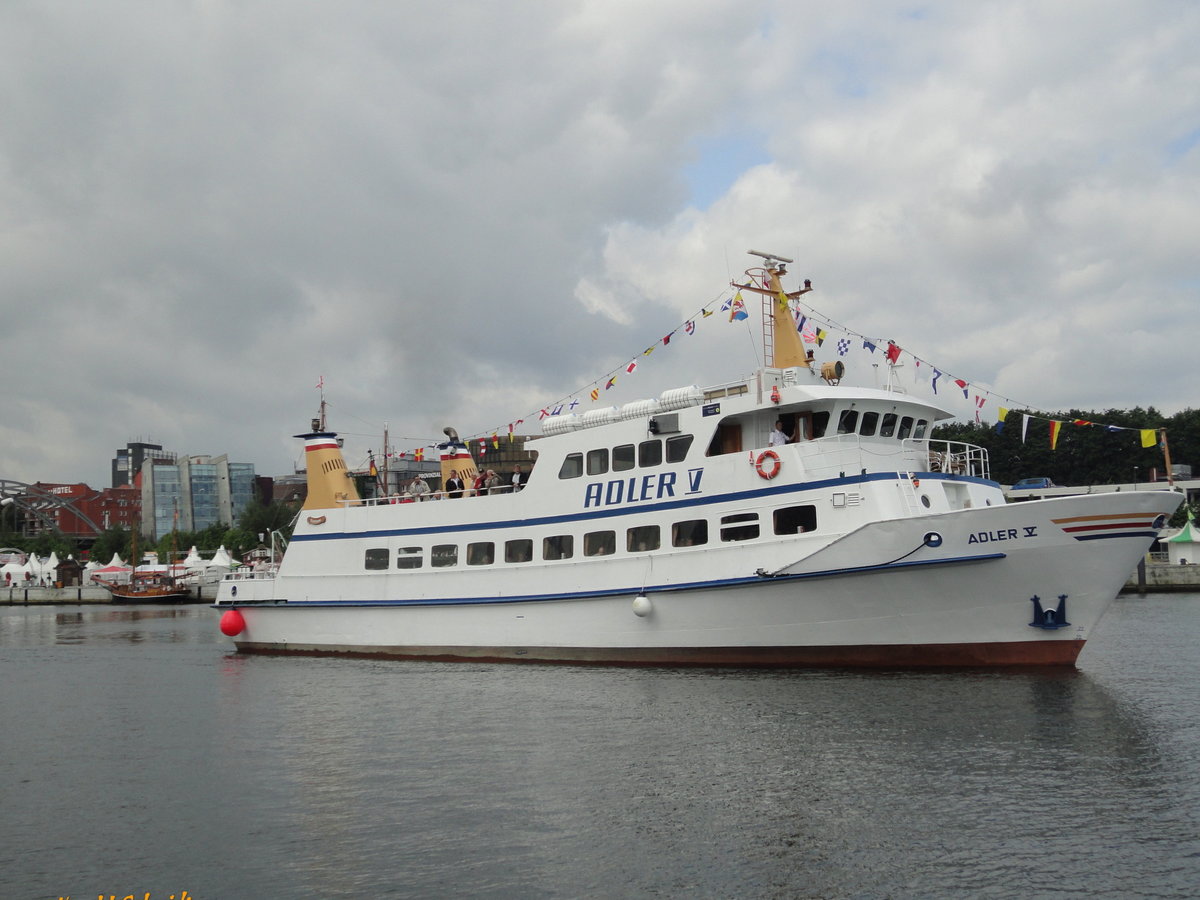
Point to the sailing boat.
(150, 586)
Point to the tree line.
(1084, 455)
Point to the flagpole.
(1162, 433)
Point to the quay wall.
(1161, 578)
(47, 596)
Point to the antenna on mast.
(318, 424)
(769, 257)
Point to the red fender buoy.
(233, 623)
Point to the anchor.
(1049, 618)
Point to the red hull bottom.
(893, 656)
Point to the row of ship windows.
(626, 456)
(885, 425)
(675, 449)
(639, 539)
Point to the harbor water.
(142, 756)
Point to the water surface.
(139, 754)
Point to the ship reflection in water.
(235, 775)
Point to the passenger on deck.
(518, 478)
(454, 485)
(418, 488)
(778, 437)
(492, 482)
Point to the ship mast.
(319, 422)
(786, 348)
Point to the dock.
(51, 596)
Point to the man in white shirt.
(778, 438)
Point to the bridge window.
(650, 453)
(906, 425)
(677, 447)
(597, 461)
(889, 425)
(572, 466)
(870, 421)
(847, 421)
(622, 458)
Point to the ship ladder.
(908, 490)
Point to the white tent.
(50, 568)
(221, 559)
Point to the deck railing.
(431, 495)
(848, 454)
(954, 457)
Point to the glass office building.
(193, 493)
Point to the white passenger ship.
(671, 531)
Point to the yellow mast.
(787, 345)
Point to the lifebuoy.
(776, 465)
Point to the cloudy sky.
(458, 213)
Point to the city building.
(129, 459)
(73, 509)
(193, 493)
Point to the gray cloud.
(461, 213)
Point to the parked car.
(1027, 484)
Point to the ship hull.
(649, 535)
(898, 656)
(1015, 585)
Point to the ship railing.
(847, 454)
(252, 575)
(432, 495)
(953, 457)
